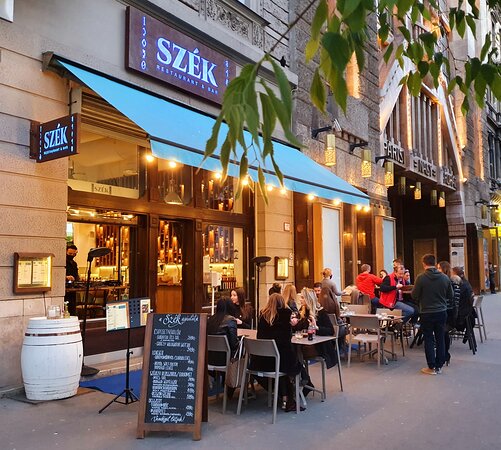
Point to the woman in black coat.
(223, 323)
(275, 323)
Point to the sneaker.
(438, 370)
(428, 371)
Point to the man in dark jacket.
(432, 291)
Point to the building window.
(105, 165)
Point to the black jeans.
(433, 329)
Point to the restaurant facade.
(144, 105)
(145, 90)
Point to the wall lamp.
(330, 141)
(382, 158)
(355, 145)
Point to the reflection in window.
(220, 195)
(105, 165)
(174, 181)
(221, 248)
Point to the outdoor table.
(384, 324)
(302, 342)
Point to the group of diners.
(283, 314)
(396, 292)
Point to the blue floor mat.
(115, 384)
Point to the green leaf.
(423, 68)
(346, 8)
(485, 47)
(321, 16)
(224, 155)
(406, 33)
(414, 83)
(403, 7)
(451, 86)
(388, 52)
(465, 106)
(435, 72)
(283, 116)
(496, 87)
(244, 166)
(471, 23)
(278, 172)
(317, 91)
(357, 21)
(338, 49)
(269, 121)
(262, 182)
(339, 89)
(311, 49)
(475, 68)
(488, 71)
(211, 144)
(480, 85)
(461, 23)
(284, 86)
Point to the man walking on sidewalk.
(431, 290)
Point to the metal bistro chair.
(367, 324)
(217, 343)
(479, 323)
(394, 331)
(264, 347)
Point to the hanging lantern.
(402, 182)
(483, 210)
(433, 197)
(417, 191)
(330, 150)
(389, 170)
(441, 199)
(366, 163)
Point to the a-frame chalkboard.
(173, 374)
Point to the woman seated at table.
(329, 303)
(275, 323)
(241, 310)
(320, 321)
(223, 323)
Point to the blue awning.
(179, 133)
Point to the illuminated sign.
(394, 151)
(157, 50)
(55, 139)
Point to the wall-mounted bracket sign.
(55, 139)
(155, 49)
(32, 273)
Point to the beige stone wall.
(271, 238)
(33, 197)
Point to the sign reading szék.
(157, 50)
(55, 139)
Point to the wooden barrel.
(51, 358)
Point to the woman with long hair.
(290, 297)
(275, 323)
(223, 323)
(452, 307)
(329, 302)
(241, 310)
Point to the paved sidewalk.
(395, 407)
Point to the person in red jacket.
(366, 283)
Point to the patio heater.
(93, 253)
(259, 262)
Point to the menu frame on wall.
(155, 49)
(32, 273)
(174, 355)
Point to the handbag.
(235, 368)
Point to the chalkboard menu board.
(173, 373)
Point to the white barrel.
(51, 358)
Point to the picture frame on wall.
(32, 272)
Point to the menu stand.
(128, 393)
(130, 314)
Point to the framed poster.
(32, 272)
(281, 268)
